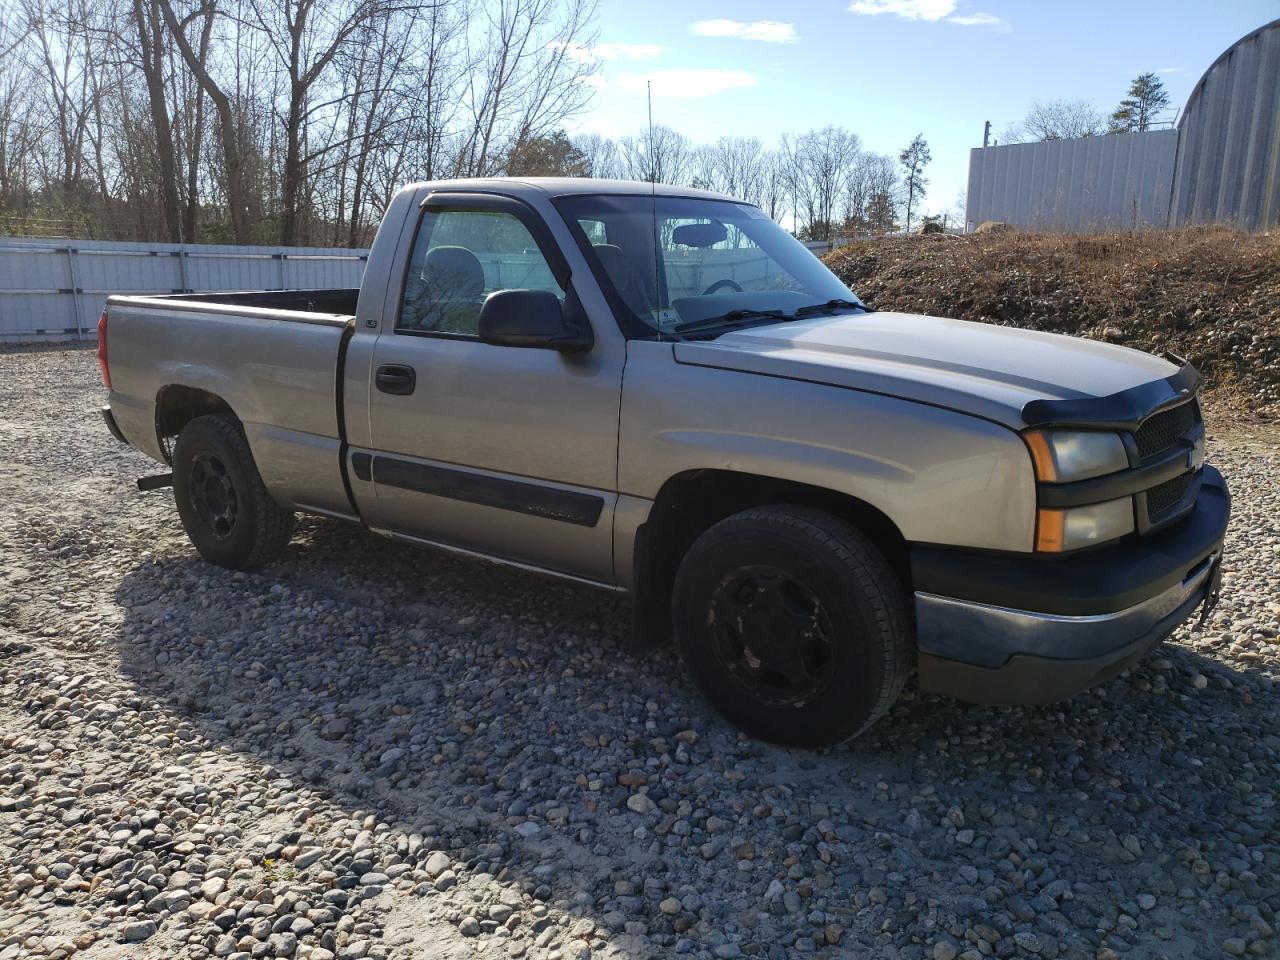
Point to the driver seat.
(449, 291)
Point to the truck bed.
(337, 301)
(272, 356)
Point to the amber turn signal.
(1041, 456)
(1050, 527)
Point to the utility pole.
(986, 134)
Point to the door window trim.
(452, 201)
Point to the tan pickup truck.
(661, 392)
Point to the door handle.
(395, 378)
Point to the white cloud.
(687, 84)
(931, 11)
(989, 20)
(769, 31)
(609, 51)
(627, 51)
(1170, 69)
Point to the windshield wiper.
(831, 305)
(729, 319)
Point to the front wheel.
(793, 625)
(224, 505)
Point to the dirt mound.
(1211, 295)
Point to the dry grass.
(1209, 294)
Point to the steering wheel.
(726, 282)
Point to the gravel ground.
(372, 751)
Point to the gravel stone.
(138, 931)
(640, 803)
(367, 750)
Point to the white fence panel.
(55, 289)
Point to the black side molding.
(1120, 411)
(518, 496)
(362, 464)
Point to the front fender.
(939, 475)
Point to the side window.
(459, 258)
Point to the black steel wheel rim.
(212, 494)
(772, 634)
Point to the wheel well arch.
(177, 405)
(691, 502)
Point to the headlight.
(1065, 456)
(1075, 527)
(1061, 456)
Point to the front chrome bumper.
(1005, 629)
(1047, 657)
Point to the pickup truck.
(659, 391)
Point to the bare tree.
(773, 184)
(1057, 120)
(149, 30)
(735, 167)
(660, 155)
(818, 164)
(17, 126)
(230, 128)
(527, 80)
(305, 37)
(602, 155)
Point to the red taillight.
(102, 350)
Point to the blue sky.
(888, 69)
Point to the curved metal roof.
(1228, 168)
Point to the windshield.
(715, 263)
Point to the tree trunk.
(291, 185)
(232, 157)
(151, 44)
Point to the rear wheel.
(225, 508)
(793, 624)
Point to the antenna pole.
(653, 166)
(653, 198)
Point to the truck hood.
(977, 368)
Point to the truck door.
(506, 451)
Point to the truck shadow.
(460, 700)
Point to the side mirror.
(534, 318)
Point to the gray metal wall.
(1221, 164)
(1229, 154)
(55, 289)
(1120, 181)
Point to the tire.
(225, 508)
(828, 618)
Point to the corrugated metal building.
(1221, 164)
(1229, 139)
(1117, 182)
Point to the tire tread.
(272, 524)
(878, 582)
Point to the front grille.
(1160, 432)
(1165, 495)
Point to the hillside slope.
(1209, 294)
